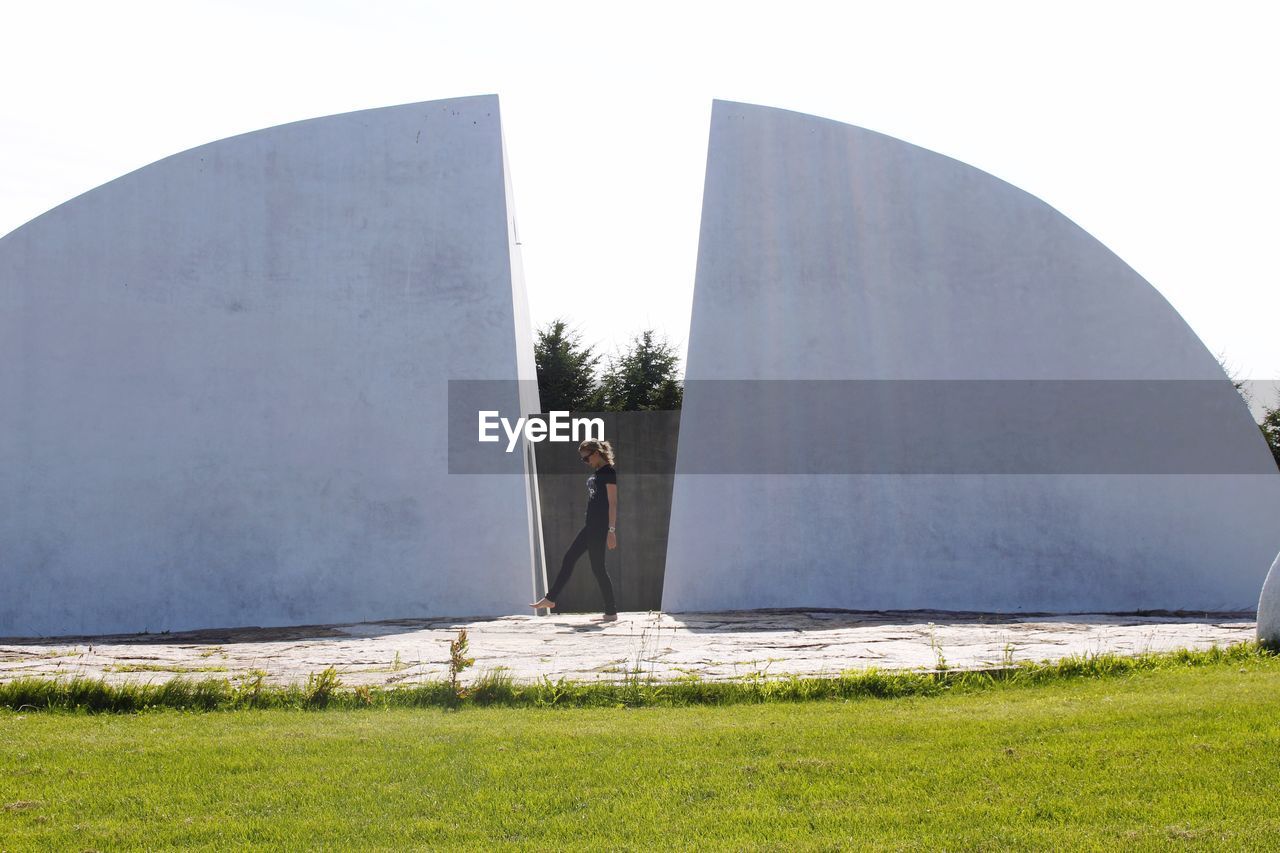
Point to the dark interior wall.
(645, 446)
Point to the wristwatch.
(611, 529)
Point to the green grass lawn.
(1152, 760)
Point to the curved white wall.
(225, 381)
(829, 252)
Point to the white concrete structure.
(225, 377)
(829, 252)
(1269, 608)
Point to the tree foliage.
(566, 369)
(644, 377)
(1270, 427)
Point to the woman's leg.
(580, 544)
(596, 549)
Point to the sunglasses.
(586, 458)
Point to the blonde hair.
(602, 447)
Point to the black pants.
(592, 540)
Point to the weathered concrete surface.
(1269, 608)
(223, 383)
(714, 646)
(830, 253)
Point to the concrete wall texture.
(829, 252)
(224, 383)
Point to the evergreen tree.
(1270, 427)
(566, 370)
(644, 377)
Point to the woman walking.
(598, 531)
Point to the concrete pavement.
(712, 646)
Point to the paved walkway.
(713, 646)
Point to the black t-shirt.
(598, 495)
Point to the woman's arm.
(611, 490)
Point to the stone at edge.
(1269, 609)
(223, 382)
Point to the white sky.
(1151, 124)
